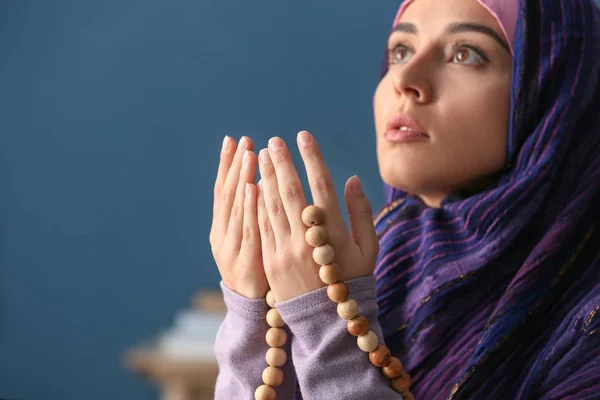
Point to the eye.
(400, 54)
(468, 55)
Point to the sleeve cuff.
(363, 290)
(250, 309)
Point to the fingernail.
(264, 156)
(226, 143)
(247, 189)
(304, 138)
(356, 186)
(242, 144)
(245, 158)
(259, 186)
(275, 144)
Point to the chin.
(406, 178)
(404, 184)
(411, 179)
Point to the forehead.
(435, 15)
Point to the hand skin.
(287, 258)
(234, 234)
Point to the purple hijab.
(496, 295)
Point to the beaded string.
(276, 357)
(347, 308)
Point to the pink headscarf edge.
(505, 12)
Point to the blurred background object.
(181, 361)
(112, 115)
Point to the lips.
(403, 128)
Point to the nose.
(414, 80)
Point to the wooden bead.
(393, 368)
(323, 254)
(313, 215)
(276, 337)
(316, 236)
(347, 309)
(276, 357)
(271, 298)
(329, 273)
(402, 383)
(358, 325)
(274, 318)
(272, 376)
(338, 292)
(368, 342)
(380, 356)
(265, 392)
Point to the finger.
(230, 187)
(250, 245)
(236, 220)
(270, 191)
(321, 187)
(288, 182)
(227, 152)
(360, 216)
(267, 237)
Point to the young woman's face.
(448, 83)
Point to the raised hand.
(287, 258)
(234, 234)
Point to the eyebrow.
(456, 28)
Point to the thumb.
(360, 216)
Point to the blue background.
(112, 115)
(111, 118)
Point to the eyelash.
(463, 44)
(460, 45)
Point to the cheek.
(477, 114)
(477, 131)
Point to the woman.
(483, 272)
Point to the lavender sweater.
(322, 356)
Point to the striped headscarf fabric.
(496, 294)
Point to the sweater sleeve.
(326, 357)
(240, 348)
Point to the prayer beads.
(276, 357)
(347, 308)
